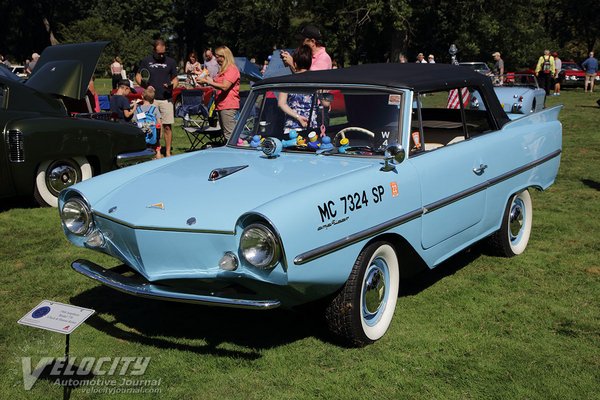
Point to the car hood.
(176, 193)
(66, 70)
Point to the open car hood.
(66, 69)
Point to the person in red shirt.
(227, 83)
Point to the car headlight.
(259, 246)
(76, 216)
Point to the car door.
(451, 168)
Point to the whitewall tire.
(54, 175)
(363, 309)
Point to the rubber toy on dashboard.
(344, 144)
(326, 143)
(256, 140)
(313, 141)
(292, 141)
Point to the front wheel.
(363, 309)
(55, 175)
(512, 237)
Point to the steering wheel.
(342, 133)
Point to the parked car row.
(572, 73)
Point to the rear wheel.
(363, 309)
(55, 175)
(512, 237)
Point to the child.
(148, 120)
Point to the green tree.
(250, 28)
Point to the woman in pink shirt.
(227, 83)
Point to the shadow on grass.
(16, 202)
(425, 277)
(591, 184)
(171, 325)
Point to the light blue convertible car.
(333, 185)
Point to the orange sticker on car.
(394, 187)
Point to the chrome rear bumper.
(140, 288)
(136, 157)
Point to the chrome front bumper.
(137, 287)
(136, 157)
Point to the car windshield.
(527, 80)
(570, 66)
(476, 66)
(321, 120)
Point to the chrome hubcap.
(61, 176)
(374, 289)
(516, 219)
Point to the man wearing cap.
(163, 77)
(311, 36)
(431, 59)
(119, 103)
(498, 69)
(421, 59)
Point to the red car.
(573, 74)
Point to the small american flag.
(454, 100)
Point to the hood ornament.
(219, 173)
(156, 205)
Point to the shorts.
(559, 79)
(167, 113)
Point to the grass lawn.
(476, 327)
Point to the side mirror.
(393, 152)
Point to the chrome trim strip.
(331, 86)
(526, 167)
(135, 157)
(154, 228)
(150, 290)
(491, 182)
(455, 197)
(364, 234)
(356, 237)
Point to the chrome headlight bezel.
(76, 216)
(260, 247)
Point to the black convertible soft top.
(416, 77)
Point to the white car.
(19, 70)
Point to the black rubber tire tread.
(339, 313)
(497, 243)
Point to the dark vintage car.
(46, 146)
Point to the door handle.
(478, 171)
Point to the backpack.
(148, 124)
(546, 65)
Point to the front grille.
(102, 116)
(16, 152)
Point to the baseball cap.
(497, 53)
(310, 32)
(127, 82)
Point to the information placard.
(56, 317)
